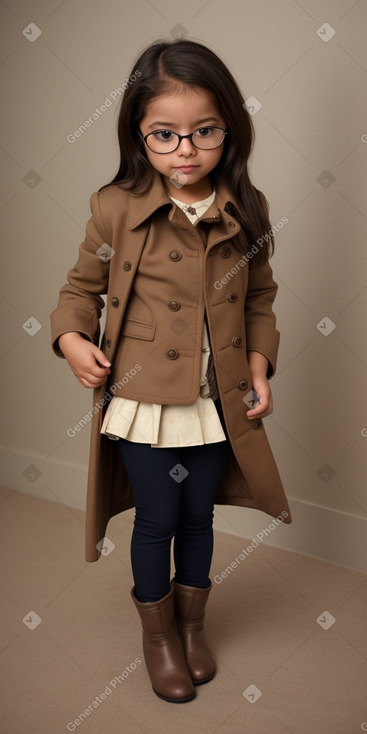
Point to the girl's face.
(187, 167)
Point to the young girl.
(179, 243)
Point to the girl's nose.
(186, 147)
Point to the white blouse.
(169, 425)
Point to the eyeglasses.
(166, 141)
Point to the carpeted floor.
(288, 632)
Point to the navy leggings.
(174, 492)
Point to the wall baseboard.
(48, 479)
(316, 531)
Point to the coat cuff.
(86, 324)
(264, 339)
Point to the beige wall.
(313, 119)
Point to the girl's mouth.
(186, 169)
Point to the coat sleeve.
(260, 321)
(80, 304)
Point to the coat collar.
(142, 207)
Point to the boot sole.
(175, 700)
(201, 682)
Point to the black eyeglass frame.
(181, 137)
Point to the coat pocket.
(138, 329)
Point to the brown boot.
(163, 651)
(189, 609)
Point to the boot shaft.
(190, 602)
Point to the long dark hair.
(162, 66)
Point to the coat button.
(108, 342)
(172, 353)
(231, 297)
(175, 255)
(174, 305)
(115, 302)
(237, 341)
(231, 224)
(127, 265)
(257, 423)
(225, 251)
(242, 384)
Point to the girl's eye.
(204, 132)
(163, 135)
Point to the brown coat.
(154, 277)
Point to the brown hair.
(161, 65)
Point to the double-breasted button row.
(115, 302)
(172, 353)
(225, 251)
(126, 265)
(175, 255)
(174, 305)
(237, 341)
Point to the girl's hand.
(261, 386)
(89, 364)
(258, 365)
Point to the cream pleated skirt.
(163, 425)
